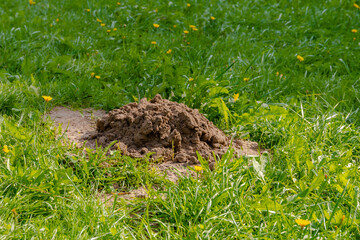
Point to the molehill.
(173, 131)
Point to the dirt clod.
(173, 131)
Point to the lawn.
(282, 73)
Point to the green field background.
(240, 67)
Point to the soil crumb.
(172, 131)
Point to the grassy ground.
(283, 73)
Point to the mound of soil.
(173, 131)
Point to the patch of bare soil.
(75, 123)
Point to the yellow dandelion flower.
(188, 5)
(236, 97)
(192, 26)
(14, 211)
(195, 29)
(92, 74)
(114, 29)
(153, 43)
(118, 3)
(186, 32)
(191, 79)
(354, 38)
(88, 10)
(188, 43)
(156, 25)
(212, 18)
(174, 26)
(31, 2)
(300, 58)
(198, 168)
(277, 73)
(357, 6)
(98, 20)
(168, 51)
(57, 20)
(6, 149)
(47, 98)
(51, 25)
(354, 30)
(108, 31)
(246, 79)
(302, 223)
(97, 77)
(103, 24)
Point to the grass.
(305, 112)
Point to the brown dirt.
(173, 131)
(75, 123)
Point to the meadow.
(282, 73)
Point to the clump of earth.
(172, 131)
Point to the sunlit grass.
(284, 74)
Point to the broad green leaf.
(223, 109)
(217, 90)
(317, 181)
(267, 204)
(113, 231)
(337, 219)
(310, 165)
(338, 188)
(326, 214)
